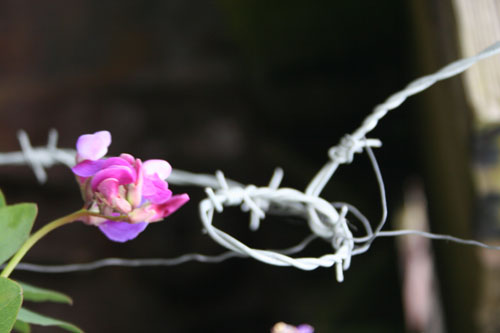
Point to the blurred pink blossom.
(285, 328)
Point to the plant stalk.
(37, 236)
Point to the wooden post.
(444, 131)
(478, 26)
(464, 183)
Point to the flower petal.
(121, 231)
(93, 146)
(127, 157)
(134, 193)
(144, 213)
(123, 174)
(160, 167)
(304, 328)
(115, 161)
(176, 202)
(155, 189)
(169, 207)
(281, 327)
(109, 188)
(87, 168)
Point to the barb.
(39, 158)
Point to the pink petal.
(109, 188)
(93, 146)
(160, 167)
(123, 174)
(127, 157)
(142, 214)
(176, 202)
(134, 193)
(169, 207)
(155, 189)
(115, 161)
(121, 231)
(304, 328)
(87, 168)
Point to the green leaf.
(31, 317)
(15, 223)
(22, 327)
(2, 199)
(36, 294)
(11, 297)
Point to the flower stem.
(37, 236)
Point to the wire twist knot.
(343, 153)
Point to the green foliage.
(16, 222)
(36, 294)
(22, 327)
(27, 317)
(2, 199)
(10, 302)
(31, 317)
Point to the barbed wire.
(107, 262)
(39, 158)
(326, 220)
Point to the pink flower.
(285, 328)
(122, 186)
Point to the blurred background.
(245, 86)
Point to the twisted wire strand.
(350, 144)
(419, 85)
(39, 158)
(333, 226)
(147, 262)
(326, 220)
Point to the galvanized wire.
(326, 220)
